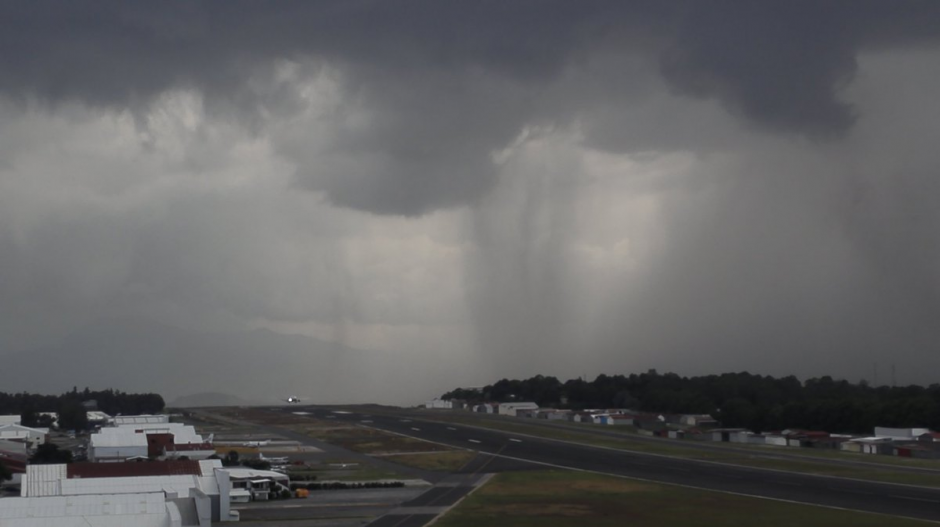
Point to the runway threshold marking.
(416, 429)
(474, 440)
(514, 440)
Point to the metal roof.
(207, 466)
(42, 480)
(53, 480)
(140, 510)
(117, 470)
(141, 419)
(96, 415)
(21, 428)
(134, 485)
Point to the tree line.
(72, 413)
(757, 402)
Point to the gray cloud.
(563, 188)
(444, 83)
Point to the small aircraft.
(273, 460)
(292, 399)
(256, 443)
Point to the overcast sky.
(564, 188)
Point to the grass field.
(450, 461)
(576, 499)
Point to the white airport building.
(512, 408)
(137, 440)
(33, 437)
(198, 490)
(160, 493)
(100, 510)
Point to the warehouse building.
(33, 437)
(153, 509)
(117, 444)
(146, 440)
(199, 489)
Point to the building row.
(160, 494)
(615, 416)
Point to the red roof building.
(125, 470)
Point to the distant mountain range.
(260, 366)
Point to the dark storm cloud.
(446, 83)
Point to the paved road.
(355, 507)
(884, 498)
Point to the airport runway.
(766, 452)
(895, 500)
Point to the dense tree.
(257, 464)
(231, 459)
(73, 416)
(113, 402)
(737, 399)
(50, 454)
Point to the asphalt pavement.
(433, 503)
(883, 498)
(765, 452)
